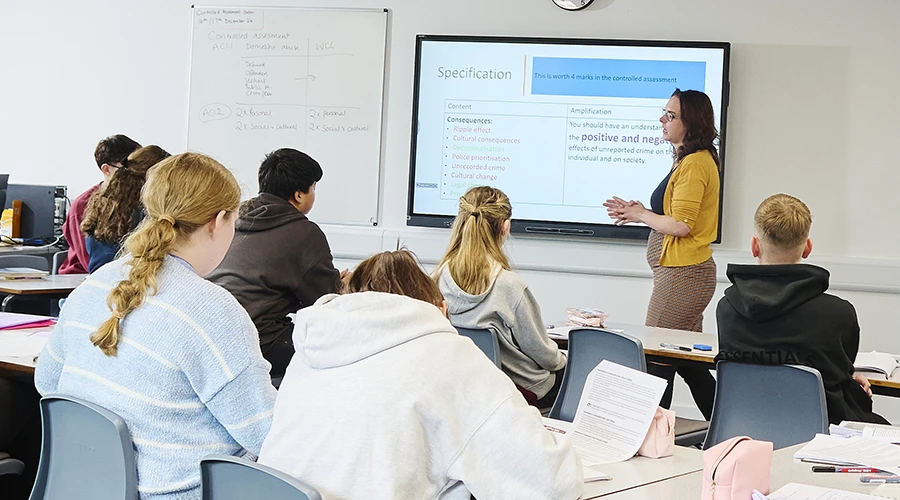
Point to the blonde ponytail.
(476, 239)
(182, 194)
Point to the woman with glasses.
(683, 218)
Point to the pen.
(674, 346)
(880, 479)
(867, 470)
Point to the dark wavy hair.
(699, 121)
(111, 211)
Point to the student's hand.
(863, 382)
(345, 276)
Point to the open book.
(875, 365)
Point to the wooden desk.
(651, 337)
(784, 470)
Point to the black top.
(780, 314)
(278, 262)
(656, 199)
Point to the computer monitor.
(38, 209)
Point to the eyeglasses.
(670, 116)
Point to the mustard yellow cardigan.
(692, 197)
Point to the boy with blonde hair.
(778, 312)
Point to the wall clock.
(571, 4)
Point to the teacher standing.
(684, 219)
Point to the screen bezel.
(557, 228)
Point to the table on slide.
(652, 337)
(784, 470)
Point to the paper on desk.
(796, 491)
(882, 432)
(614, 413)
(562, 427)
(855, 450)
(22, 346)
(887, 491)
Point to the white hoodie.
(384, 401)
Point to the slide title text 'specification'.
(474, 73)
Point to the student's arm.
(50, 362)
(244, 406)
(850, 339)
(850, 344)
(243, 401)
(512, 455)
(531, 336)
(320, 278)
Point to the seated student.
(482, 292)
(279, 261)
(116, 210)
(149, 339)
(778, 312)
(109, 154)
(384, 400)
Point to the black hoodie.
(780, 314)
(279, 262)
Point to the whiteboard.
(308, 79)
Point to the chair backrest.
(486, 340)
(86, 452)
(58, 259)
(33, 261)
(587, 348)
(224, 477)
(784, 404)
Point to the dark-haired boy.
(778, 312)
(279, 261)
(109, 155)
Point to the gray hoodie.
(384, 401)
(527, 354)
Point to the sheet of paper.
(856, 450)
(614, 413)
(795, 491)
(837, 430)
(10, 319)
(887, 491)
(881, 432)
(22, 346)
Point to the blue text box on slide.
(615, 77)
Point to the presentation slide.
(559, 127)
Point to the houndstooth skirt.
(680, 294)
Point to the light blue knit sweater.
(189, 379)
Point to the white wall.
(813, 114)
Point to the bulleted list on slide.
(500, 142)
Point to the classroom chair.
(86, 452)
(25, 304)
(58, 259)
(486, 340)
(587, 348)
(590, 346)
(224, 477)
(784, 404)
